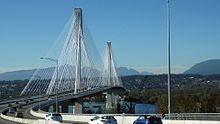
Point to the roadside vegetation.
(190, 93)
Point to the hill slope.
(205, 68)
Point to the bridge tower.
(79, 34)
(109, 61)
(112, 79)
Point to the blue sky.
(136, 28)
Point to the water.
(98, 107)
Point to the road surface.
(26, 113)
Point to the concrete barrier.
(19, 120)
(29, 121)
(123, 119)
(66, 117)
(40, 114)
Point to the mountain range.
(26, 74)
(203, 68)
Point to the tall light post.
(168, 57)
(56, 86)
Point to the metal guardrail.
(194, 116)
(175, 116)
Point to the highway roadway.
(26, 113)
(3, 121)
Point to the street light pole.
(168, 57)
(56, 83)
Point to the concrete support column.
(65, 105)
(54, 108)
(109, 102)
(78, 106)
(115, 99)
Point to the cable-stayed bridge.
(75, 68)
(76, 74)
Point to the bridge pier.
(105, 101)
(109, 103)
(66, 104)
(79, 106)
(112, 100)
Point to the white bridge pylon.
(77, 69)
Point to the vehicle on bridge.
(12, 110)
(148, 119)
(19, 114)
(103, 119)
(54, 117)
